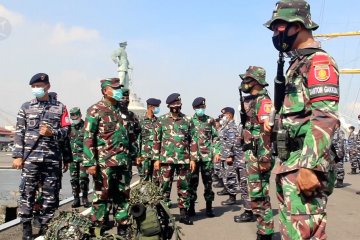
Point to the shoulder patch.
(265, 109)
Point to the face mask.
(224, 120)
(282, 42)
(38, 92)
(156, 110)
(76, 121)
(175, 109)
(117, 94)
(200, 111)
(246, 88)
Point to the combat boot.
(27, 231)
(124, 231)
(230, 201)
(85, 201)
(191, 210)
(222, 192)
(339, 183)
(263, 237)
(215, 178)
(76, 202)
(353, 171)
(43, 229)
(184, 217)
(219, 184)
(209, 211)
(246, 216)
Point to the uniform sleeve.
(139, 142)
(341, 145)
(90, 146)
(134, 144)
(157, 140)
(215, 139)
(63, 131)
(66, 151)
(19, 135)
(193, 145)
(264, 142)
(230, 138)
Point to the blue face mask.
(156, 110)
(75, 121)
(200, 111)
(117, 94)
(38, 92)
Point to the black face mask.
(175, 109)
(282, 42)
(246, 87)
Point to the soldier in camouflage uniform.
(107, 152)
(338, 141)
(176, 153)
(218, 165)
(203, 132)
(308, 115)
(132, 124)
(231, 156)
(41, 124)
(352, 149)
(257, 147)
(79, 177)
(146, 141)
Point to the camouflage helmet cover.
(256, 73)
(75, 111)
(292, 11)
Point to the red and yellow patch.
(322, 72)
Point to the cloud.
(12, 17)
(62, 35)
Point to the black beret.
(153, 102)
(39, 77)
(173, 98)
(228, 110)
(198, 102)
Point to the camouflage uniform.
(309, 113)
(79, 177)
(257, 147)
(354, 141)
(41, 155)
(147, 138)
(338, 141)
(203, 132)
(107, 146)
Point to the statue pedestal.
(136, 105)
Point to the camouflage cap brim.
(311, 26)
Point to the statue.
(120, 58)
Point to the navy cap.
(198, 102)
(39, 77)
(228, 110)
(173, 98)
(153, 102)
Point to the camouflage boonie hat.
(113, 82)
(256, 73)
(75, 111)
(292, 11)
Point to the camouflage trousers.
(79, 179)
(111, 186)
(148, 171)
(167, 176)
(230, 177)
(206, 170)
(218, 168)
(302, 217)
(354, 160)
(258, 184)
(339, 169)
(243, 186)
(33, 175)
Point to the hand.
(192, 166)
(307, 181)
(217, 158)
(18, 163)
(65, 167)
(91, 170)
(264, 166)
(267, 127)
(229, 161)
(139, 160)
(157, 165)
(45, 130)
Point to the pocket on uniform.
(33, 122)
(109, 127)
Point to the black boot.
(263, 237)
(27, 231)
(209, 211)
(219, 184)
(76, 202)
(353, 171)
(339, 183)
(246, 216)
(191, 210)
(222, 192)
(85, 201)
(230, 201)
(184, 217)
(43, 229)
(215, 178)
(123, 231)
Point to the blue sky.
(196, 48)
